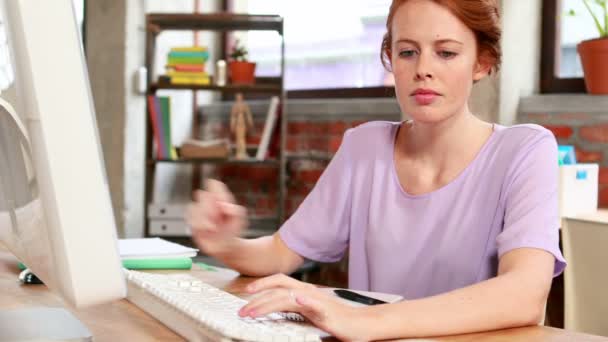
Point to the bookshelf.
(264, 86)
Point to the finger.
(232, 211)
(311, 308)
(197, 195)
(204, 226)
(277, 280)
(220, 189)
(197, 217)
(280, 301)
(260, 300)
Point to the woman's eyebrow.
(440, 41)
(405, 40)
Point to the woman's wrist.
(220, 248)
(364, 320)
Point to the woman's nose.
(423, 69)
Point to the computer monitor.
(55, 210)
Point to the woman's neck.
(436, 142)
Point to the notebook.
(153, 248)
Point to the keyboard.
(200, 312)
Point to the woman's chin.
(425, 115)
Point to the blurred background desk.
(585, 246)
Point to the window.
(561, 69)
(332, 48)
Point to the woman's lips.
(424, 99)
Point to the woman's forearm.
(258, 257)
(502, 302)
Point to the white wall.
(521, 55)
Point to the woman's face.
(434, 61)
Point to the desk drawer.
(167, 211)
(160, 227)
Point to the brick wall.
(578, 120)
(314, 133)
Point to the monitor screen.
(55, 210)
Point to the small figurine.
(240, 123)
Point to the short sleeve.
(531, 201)
(319, 228)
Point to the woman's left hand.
(282, 293)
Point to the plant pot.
(594, 57)
(242, 72)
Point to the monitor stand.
(42, 324)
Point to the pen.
(356, 297)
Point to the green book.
(158, 264)
(171, 61)
(165, 105)
(196, 55)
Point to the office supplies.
(27, 277)
(385, 297)
(578, 189)
(198, 311)
(566, 155)
(158, 264)
(356, 297)
(156, 248)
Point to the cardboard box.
(578, 189)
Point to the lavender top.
(452, 237)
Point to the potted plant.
(594, 52)
(241, 70)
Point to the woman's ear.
(483, 67)
(387, 59)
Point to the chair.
(585, 243)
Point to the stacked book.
(186, 65)
(215, 148)
(159, 109)
(154, 253)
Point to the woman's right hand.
(216, 221)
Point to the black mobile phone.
(359, 298)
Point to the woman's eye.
(406, 53)
(446, 54)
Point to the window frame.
(328, 93)
(550, 82)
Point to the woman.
(456, 214)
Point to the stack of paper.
(154, 253)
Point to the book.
(187, 68)
(171, 61)
(189, 48)
(165, 107)
(175, 73)
(197, 80)
(197, 55)
(156, 130)
(269, 125)
(158, 264)
(153, 248)
(217, 148)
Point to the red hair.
(481, 16)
